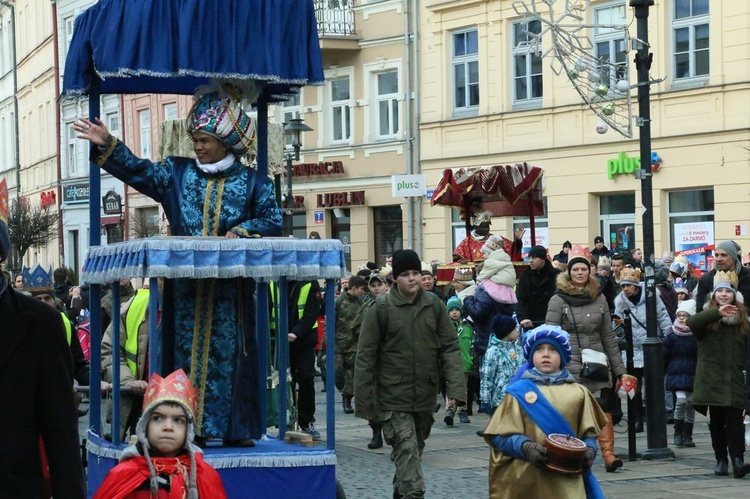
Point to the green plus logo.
(622, 165)
(407, 185)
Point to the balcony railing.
(335, 17)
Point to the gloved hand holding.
(485, 408)
(588, 457)
(535, 453)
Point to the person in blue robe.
(207, 324)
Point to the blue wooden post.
(261, 338)
(282, 348)
(330, 364)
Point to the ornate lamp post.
(294, 130)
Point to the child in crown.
(164, 463)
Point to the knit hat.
(464, 275)
(174, 389)
(4, 215)
(503, 325)
(733, 250)
(493, 243)
(217, 112)
(553, 335)
(598, 239)
(605, 263)
(630, 276)
(405, 259)
(579, 254)
(538, 251)
(687, 306)
(454, 302)
(567, 244)
(725, 280)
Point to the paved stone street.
(455, 463)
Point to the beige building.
(37, 114)
(487, 99)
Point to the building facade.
(488, 98)
(8, 103)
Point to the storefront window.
(691, 225)
(458, 227)
(341, 229)
(389, 234)
(299, 224)
(617, 222)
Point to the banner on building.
(542, 238)
(695, 241)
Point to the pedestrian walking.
(403, 337)
(581, 309)
(681, 360)
(503, 358)
(535, 288)
(465, 335)
(348, 321)
(721, 387)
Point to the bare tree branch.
(142, 225)
(30, 226)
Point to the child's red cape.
(127, 476)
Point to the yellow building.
(488, 98)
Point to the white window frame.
(344, 107)
(529, 51)
(391, 99)
(289, 110)
(615, 40)
(464, 61)
(690, 23)
(145, 133)
(170, 108)
(72, 165)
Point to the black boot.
(687, 435)
(740, 467)
(377, 436)
(347, 403)
(679, 436)
(722, 467)
(638, 423)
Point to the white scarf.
(217, 167)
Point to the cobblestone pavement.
(455, 463)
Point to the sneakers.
(312, 431)
(463, 417)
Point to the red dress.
(124, 480)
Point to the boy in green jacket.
(465, 334)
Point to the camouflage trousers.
(345, 372)
(406, 432)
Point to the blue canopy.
(174, 46)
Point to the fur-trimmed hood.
(565, 286)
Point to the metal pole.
(288, 212)
(630, 366)
(652, 347)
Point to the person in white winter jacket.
(633, 298)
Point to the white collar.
(217, 167)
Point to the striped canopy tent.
(504, 190)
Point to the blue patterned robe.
(208, 325)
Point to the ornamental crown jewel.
(630, 275)
(726, 277)
(175, 388)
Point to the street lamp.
(294, 130)
(652, 346)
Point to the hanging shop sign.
(336, 199)
(47, 198)
(316, 169)
(403, 186)
(623, 165)
(112, 203)
(76, 193)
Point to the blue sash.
(549, 420)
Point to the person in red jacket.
(164, 463)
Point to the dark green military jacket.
(397, 358)
(347, 322)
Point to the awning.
(113, 220)
(174, 46)
(505, 190)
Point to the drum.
(565, 453)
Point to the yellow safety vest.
(304, 292)
(68, 327)
(133, 319)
